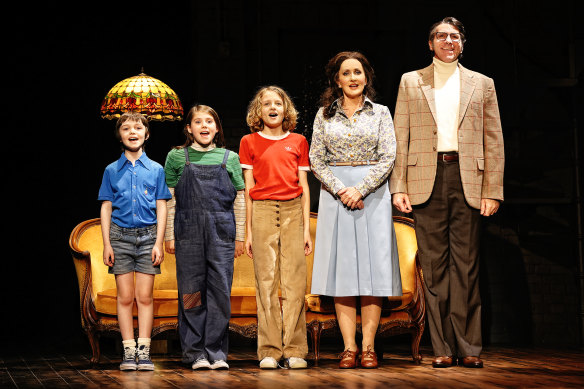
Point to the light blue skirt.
(355, 251)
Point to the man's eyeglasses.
(454, 36)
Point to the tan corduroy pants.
(279, 262)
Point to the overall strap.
(225, 157)
(187, 160)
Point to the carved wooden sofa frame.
(400, 315)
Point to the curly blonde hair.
(254, 110)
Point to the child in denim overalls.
(133, 218)
(205, 181)
(278, 213)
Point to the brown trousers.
(279, 262)
(448, 234)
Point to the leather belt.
(450, 156)
(353, 163)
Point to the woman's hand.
(351, 197)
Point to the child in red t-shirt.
(275, 163)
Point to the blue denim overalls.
(204, 228)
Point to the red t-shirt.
(275, 162)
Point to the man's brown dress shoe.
(369, 359)
(443, 361)
(348, 359)
(475, 362)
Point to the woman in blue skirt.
(352, 154)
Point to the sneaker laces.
(144, 352)
(130, 353)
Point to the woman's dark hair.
(333, 92)
(454, 23)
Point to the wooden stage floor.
(504, 368)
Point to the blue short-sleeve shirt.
(133, 191)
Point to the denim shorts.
(133, 249)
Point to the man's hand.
(489, 207)
(402, 202)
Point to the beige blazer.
(480, 138)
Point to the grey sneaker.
(268, 363)
(219, 364)
(296, 363)
(201, 363)
(144, 361)
(129, 359)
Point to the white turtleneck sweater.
(447, 98)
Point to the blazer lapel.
(467, 87)
(427, 85)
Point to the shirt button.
(277, 225)
(278, 219)
(434, 148)
(277, 205)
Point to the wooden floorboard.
(505, 367)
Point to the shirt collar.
(143, 160)
(367, 105)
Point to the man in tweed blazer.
(449, 171)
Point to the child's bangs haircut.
(134, 117)
(219, 138)
(254, 110)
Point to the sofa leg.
(416, 338)
(315, 329)
(94, 343)
(379, 348)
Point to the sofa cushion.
(165, 303)
(243, 302)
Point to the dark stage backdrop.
(64, 59)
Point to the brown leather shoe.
(443, 361)
(348, 359)
(369, 359)
(473, 362)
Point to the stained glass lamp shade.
(142, 93)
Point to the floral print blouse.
(367, 135)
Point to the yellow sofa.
(97, 292)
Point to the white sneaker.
(219, 365)
(268, 363)
(296, 363)
(201, 363)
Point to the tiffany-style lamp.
(142, 93)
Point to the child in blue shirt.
(133, 219)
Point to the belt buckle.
(353, 163)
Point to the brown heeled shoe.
(369, 359)
(348, 359)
